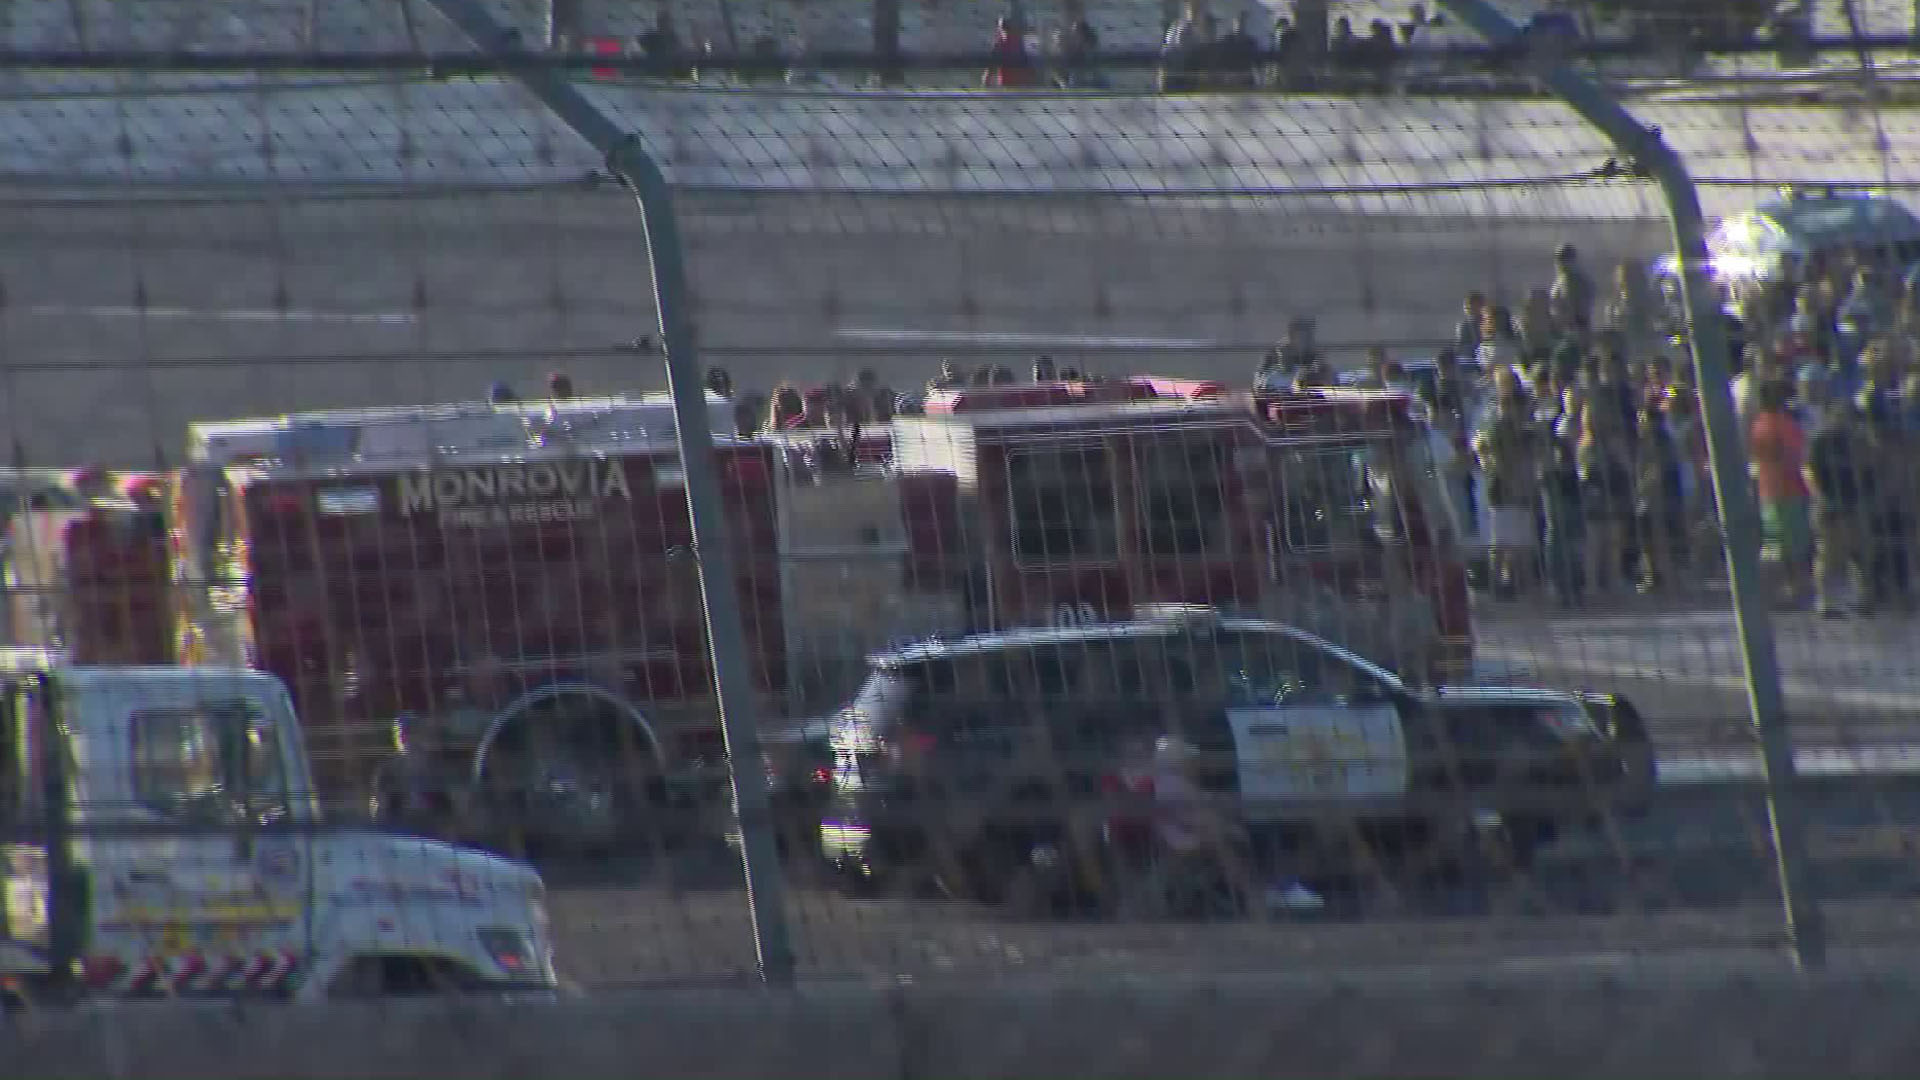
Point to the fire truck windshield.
(1339, 497)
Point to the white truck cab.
(159, 834)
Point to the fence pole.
(719, 587)
(1706, 330)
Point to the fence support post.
(719, 585)
(1706, 330)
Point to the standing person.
(1451, 394)
(1629, 310)
(1571, 413)
(1756, 367)
(1657, 384)
(748, 410)
(1689, 438)
(1044, 370)
(1883, 412)
(1467, 334)
(1378, 54)
(1549, 398)
(1014, 67)
(664, 53)
(1566, 523)
(1075, 45)
(1889, 507)
(1657, 503)
(1285, 361)
(1499, 341)
(1538, 329)
(1608, 384)
(1289, 55)
(1778, 448)
(1345, 48)
(1510, 453)
(1236, 56)
(1182, 51)
(1812, 322)
(1573, 288)
(1865, 314)
(1606, 495)
(1192, 830)
(1455, 410)
(1841, 481)
(93, 484)
(786, 408)
(864, 404)
(1302, 345)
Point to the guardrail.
(1729, 1013)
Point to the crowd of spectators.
(1304, 45)
(1571, 439)
(1568, 430)
(1200, 52)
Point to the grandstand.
(927, 26)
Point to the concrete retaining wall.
(1677, 1018)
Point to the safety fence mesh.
(1111, 477)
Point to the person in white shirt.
(1188, 827)
(1499, 342)
(1745, 388)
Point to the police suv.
(961, 762)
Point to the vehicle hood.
(371, 867)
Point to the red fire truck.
(1084, 502)
(490, 612)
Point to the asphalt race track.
(1697, 873)
(1847, 683)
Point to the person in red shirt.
(1013, 63)
(1778, 447)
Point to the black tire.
(563, 780)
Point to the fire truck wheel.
(570, 774)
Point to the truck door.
(1309, 725)
(204, 888)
